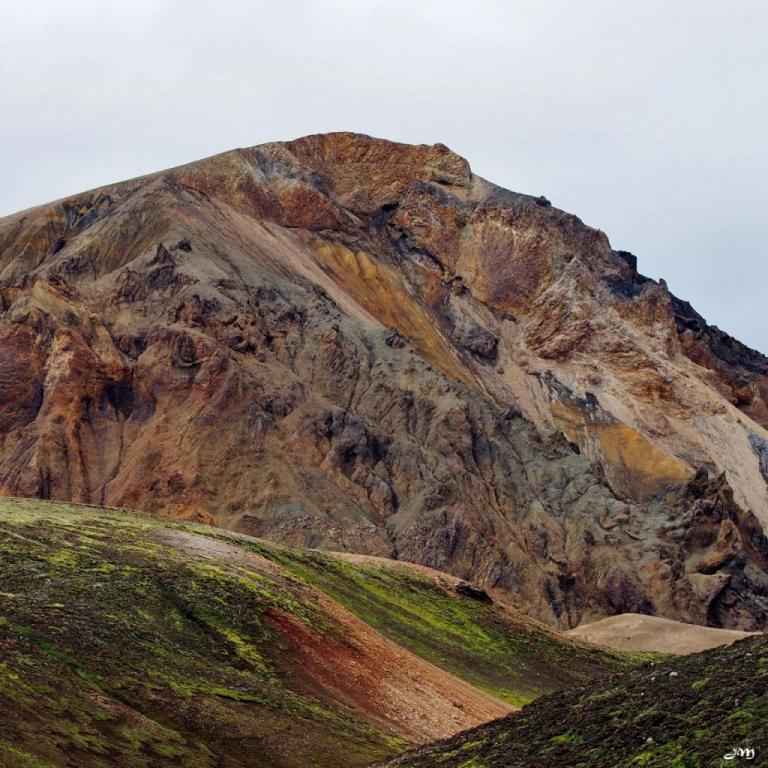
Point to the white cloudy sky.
(647, 118)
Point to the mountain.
(140, 642)
(347, 343)
(703, 709)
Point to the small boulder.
(395, 340)
(476, 339)
(474, 592)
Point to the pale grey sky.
(647, 118)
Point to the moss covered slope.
(119, 648)
(486, 643)
(686, 712)
(128, 640)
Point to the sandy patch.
(636, 632)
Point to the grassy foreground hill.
(134, 641)
(488, 644)
(686, 712)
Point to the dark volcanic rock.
(473, 592)
(477, 340)
(760, 449)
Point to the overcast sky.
(648, 118)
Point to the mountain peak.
(362, 172)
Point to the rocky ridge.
(704, 709)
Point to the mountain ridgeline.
(347, 343)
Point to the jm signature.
(748, 753)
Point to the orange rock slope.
(345, 342)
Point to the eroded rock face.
(344, 342)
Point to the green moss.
(568, 737)
(159, 653)
(640, 718)
(487, 645)
(13, 757)
(125, 644)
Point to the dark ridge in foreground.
(688, 712)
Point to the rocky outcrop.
(347, 343)
(760, 449)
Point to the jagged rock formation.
(349, 343)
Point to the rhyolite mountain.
(347, 343)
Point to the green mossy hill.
(119, 649)
(688, 712)
(487, 644)
(134, 641)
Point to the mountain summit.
(347, 343)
